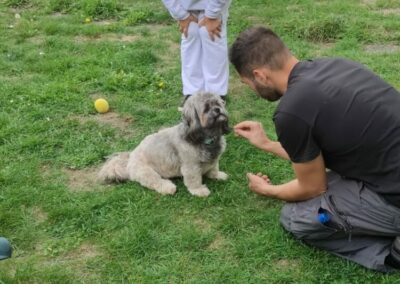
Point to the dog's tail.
(114, 170)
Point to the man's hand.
(213, 27)
(260, 184)
(184, 24)
(252, 131)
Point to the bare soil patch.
(108, 37)
(84, 180)
(202, 225)
(322, 47)
(84, 251)
(37, 40)
(111, 119)
(58, 15)
(115, 120)
(381, 48)
(38, 214)
(284, 264)
(218, 243)
(393, 11)
(104, 22)
(368, 2)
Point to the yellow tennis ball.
(101, 105)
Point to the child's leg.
(215, 63)
(192, 75)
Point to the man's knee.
(301, 219)
(286, 215)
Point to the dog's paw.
(221, 176)
(200, 192)
(167, 188)
(218, 175)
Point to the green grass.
(66, 229)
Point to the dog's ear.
(193, 130)
(195, 135)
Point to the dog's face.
(205, 115)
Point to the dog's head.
(205, 117)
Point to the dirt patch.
(84, 180)
(393, 11)
(84, 251)
(76, 262)
(37, 40)
(218, 243)
(381, 48)
(112, 119)
(321, 48)
(107, 37)
(284, 264)
(38, 214)
(202, 225)
(368, 2)
(104, 23)
(58, 15)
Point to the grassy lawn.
(58, 56)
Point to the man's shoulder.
(305, 90)
(310, 81)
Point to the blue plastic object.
(5, 248)
(323, 217)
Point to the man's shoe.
(5, 249)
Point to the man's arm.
(276, 149)
(254, 132)
(310, 182)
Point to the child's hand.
(184, 24)
(213, 27)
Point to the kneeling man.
(339, 125)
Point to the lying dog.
(190, 149)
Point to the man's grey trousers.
(362, 228)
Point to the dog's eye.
(207, 108)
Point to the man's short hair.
(256, 47)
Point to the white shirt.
(179, 9)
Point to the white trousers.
(205, 64)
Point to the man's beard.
(267, 93)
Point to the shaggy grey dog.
(190, 149)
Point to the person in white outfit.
(204, 47)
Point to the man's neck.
(281, 77)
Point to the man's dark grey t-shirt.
(344, 111)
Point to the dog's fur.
(190, 149)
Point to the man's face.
(262, 91)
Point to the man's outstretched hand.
(252, 131)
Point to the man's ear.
(261, 75)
